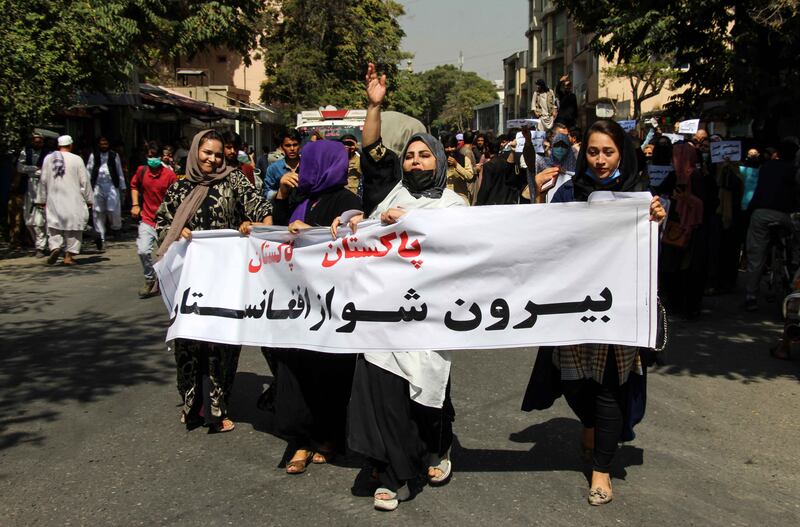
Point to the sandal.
(443, 465)
(298, 466)
(322, 457)
(226, 425)
(393, 501)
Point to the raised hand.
(376, 86)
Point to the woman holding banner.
(400, 413)
(212, 196)
(594, 377)
(312, 389)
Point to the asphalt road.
(89, 431)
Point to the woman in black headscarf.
(400, 416)
(594, 376)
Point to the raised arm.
(376, 92)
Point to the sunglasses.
(348, 143)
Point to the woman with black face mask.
(400, 414)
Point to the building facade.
(556, 48)
(515, 83)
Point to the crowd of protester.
(716, 220)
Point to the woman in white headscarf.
(400, 414)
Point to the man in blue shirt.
(290, 145)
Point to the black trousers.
(312, 391)
(395, 434)
(600, 406)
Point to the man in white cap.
(29, 167)
(108, 182)
(65, 191)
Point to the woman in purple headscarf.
(312, 389)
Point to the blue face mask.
(606, 181)
(559, 152)
(154, 162)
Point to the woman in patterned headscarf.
(400, 414)
(212, 196)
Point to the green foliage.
(443, 96)
(647, 77)
(744, 50)
(52, 49)
(318, 51)
(410, 95)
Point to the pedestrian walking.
(594, 377)
(108, 181)
(312, 389)
(400, 413)
(148, 187)
(64, 194)
(211, 196)
(29, 168)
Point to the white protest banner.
(726, 151)
(627, 125)
(689, 126)
(658, 173)
(538, 141)
(521, 123)
(458, 278)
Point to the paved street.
(89, 431)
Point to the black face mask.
(419, 180)
(752, 162)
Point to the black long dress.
(398, 436)
(312, 389)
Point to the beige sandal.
(298, 466)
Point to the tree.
(647, 78)
(410, 95)
(318, 51)
(52, 49)
(443, 96)
(747, 51)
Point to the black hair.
(449, 141)
(213, 135)
(662, 151)
(469, 137)
(290, 133)
(480, 134)
(348, 137)
(576, 132)
(232, 138)
(491, 148)
(610, 128)
(152, 146)
(629, 180)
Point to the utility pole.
(460, 60)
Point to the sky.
(486, 31)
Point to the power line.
(439, 62)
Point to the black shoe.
(100, 244)
(40, 253)
(53, 258)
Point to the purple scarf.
(324, 167)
